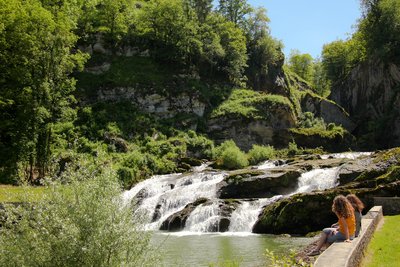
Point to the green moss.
(330, 133)
(237, 176)
(391, 154)
(244, 103)
(393, 174)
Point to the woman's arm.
(345, 229)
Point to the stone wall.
(391, 205)
(343, 254)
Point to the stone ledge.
(350, 254)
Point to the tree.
(172, 36)
(36, 60)
(235, 10)
(301, 64)
(264, 51)
(380, 29)
(202, 8)
(114, 17)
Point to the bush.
(293, 150)
(229, 156)
(84, 223)
(260, 153)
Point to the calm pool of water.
(191, 249)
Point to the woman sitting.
(346, 221)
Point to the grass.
(384, 247)
(244, 103)
(9, 193)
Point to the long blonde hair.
(342, 207)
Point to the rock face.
(303, 213)
(370, 95)
(156, 104)
(246, 132)
(328, 110)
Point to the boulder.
(176, 221)
(259, 184)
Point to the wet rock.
(176, 221)
(303, 213)
(259, 184)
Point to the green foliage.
(250, 104)
(307, 120)
(380, 29)
(36, 41)
(291, 260)
(339, 57)
(84, 223)
(301, 64)
(293, 149)
(234, 10)
(229, 156)
(258, 154)
(198, 146)
(265, 52)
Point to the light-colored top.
(351, 225)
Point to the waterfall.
(317, 179)
(346, 155)
(163, 195)
(203, 218)
(244, 217)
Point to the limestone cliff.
(371, 95)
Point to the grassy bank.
(384, 247)
(9, 193)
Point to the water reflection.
(202, 250)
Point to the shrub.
(84, 223)
(229, 156)
(260, 153)
(293, 150)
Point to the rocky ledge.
(376, 175)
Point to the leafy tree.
(233, 42)
(202, 8)
(234, 10)
(36, 90)
(264, 51)
(172, 36)
(301, 64)
(380, 28)
(321, 85)
(114, 17)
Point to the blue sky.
(307, 25)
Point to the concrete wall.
(342, 254)
(391, 205)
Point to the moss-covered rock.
(302, 213)
(256, 184)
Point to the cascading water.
(346, 155)
(163, 195)
(203, 218)
(317, 179)
(244, 217)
